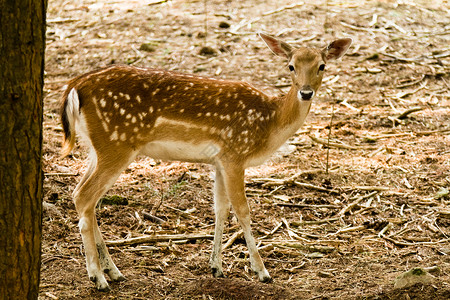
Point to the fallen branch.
(315, 187)
(403, 59)
(317, 222)
(232, 239)
(405, 114)
(289, 181)
(61, 174)
(346, 104)
(401, 95)
(155, 2)
(267, 13)
(369, 188)
(400, 243)
(307, 205)
(357, 28)
(414, 82)
(411, 133)
(340, 145)
(356, 202)
(152, 218)
(350, 229)
(158, 238)
(309, 248)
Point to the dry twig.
(267, 13)
(317, 222)
(232, 239)
(340, 145)
(159, 238)
(354, 203)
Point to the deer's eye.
(291, 68)
(322, 67)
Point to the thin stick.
(315, 187)
(368, 188)
(356, 202)
(339, 145)
(400, 243)
(206, 21)
(267, 13)
(274, 182)
(350, 229)
(61, 174)
(329, 136)
(310, 248)
(232, 239)
(307, 205)
(405, 114)
(317, 222)
(157, 2)
(159, 238)
(152, 218)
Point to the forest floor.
(338, 220)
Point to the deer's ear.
(278, 47)
(337, 48)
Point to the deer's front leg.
(234, 183)
(222, 209)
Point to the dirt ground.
(337, 220)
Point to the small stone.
(114, 200)
(324, 274)
(206, 51)
(224, 24)
(149, 47)
(53, 197)
(412, 277)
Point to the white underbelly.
(182, 151)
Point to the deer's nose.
(306, 93)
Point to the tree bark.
(22, 44)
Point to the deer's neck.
(292, 112)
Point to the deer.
(120, 112)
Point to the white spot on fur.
(114, 136)
(155, 91)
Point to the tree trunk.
(22, 44)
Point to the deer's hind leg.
(101, 175)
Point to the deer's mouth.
(305, 94)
